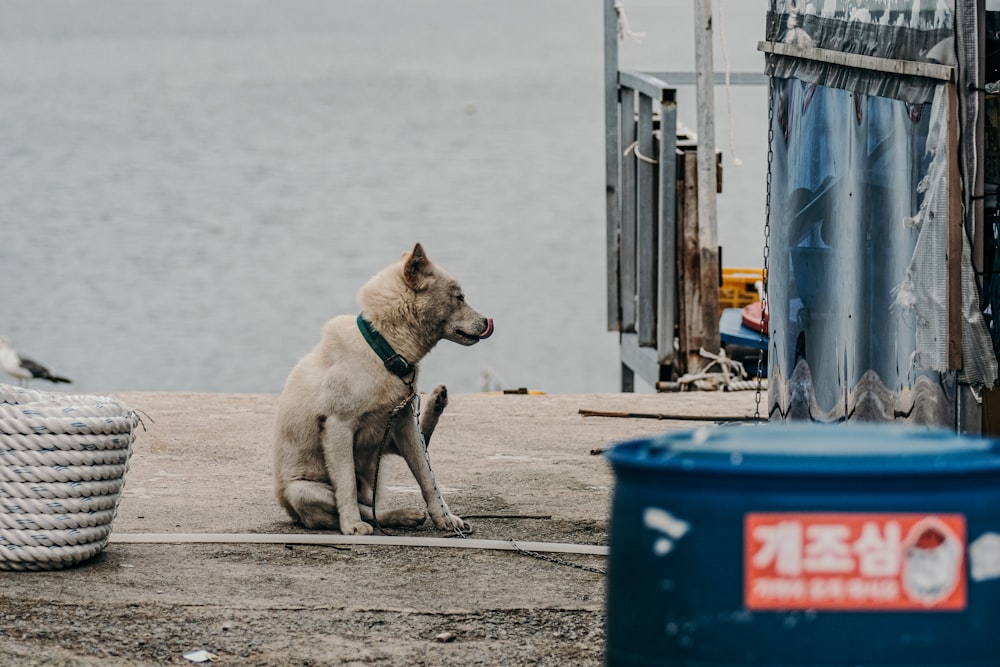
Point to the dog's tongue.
(489, 329)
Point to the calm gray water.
(191, 188)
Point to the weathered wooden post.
(706, 295)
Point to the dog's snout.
(489, 329)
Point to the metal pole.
(612, 166)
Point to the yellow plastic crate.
(739, 287)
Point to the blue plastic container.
(795, 545)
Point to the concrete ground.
(520, 466)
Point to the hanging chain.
(771, 98)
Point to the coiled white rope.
(49, 408)
(49, 441)
(745, 385)
(54, 538)
(57, 521)
(63, 460)
(17, 557)
(54, 458)
(58, 495)
(31, 424)
(61, 473)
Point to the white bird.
(22, 368)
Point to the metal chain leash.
(767, 249)
(427, 457)
(381, 449)
(557, 561)
(412, 399)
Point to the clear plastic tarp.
(856, 333)
(860, 192)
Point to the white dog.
(333, 411)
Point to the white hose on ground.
(366, 540)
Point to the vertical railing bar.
(627, 290)
(666, 302)
(646, 227)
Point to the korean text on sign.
(857, 561)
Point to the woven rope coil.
(36, 442)
(50, 408)
(54, 493)
(57, 521)
(49, 458)
(54, 538)
(61, 473)
(16, 557)
(63, 460)
(37, 508)
(36, 424)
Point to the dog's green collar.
(395, 363)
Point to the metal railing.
(651, 187)
(642, 226)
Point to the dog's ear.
(415, 268)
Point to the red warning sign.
(869, 561)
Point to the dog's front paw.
(453, 522)
(439, 399)
(356, 528)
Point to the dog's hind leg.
(436, 403)
(312, 504)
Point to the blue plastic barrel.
(795, 545)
